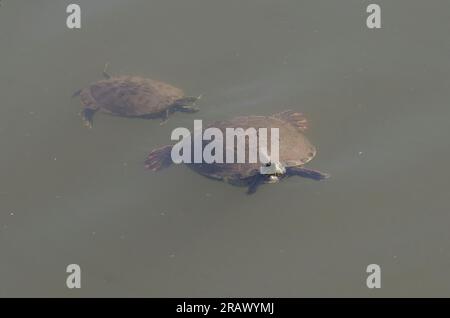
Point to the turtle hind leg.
(307, 173)
(159, 158)
(296, 119)
(87, 115)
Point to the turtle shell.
(131, 96)
(294, 148)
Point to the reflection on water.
(377, 102)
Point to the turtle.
(133, 96)
(295, 150)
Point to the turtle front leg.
(77, 93)
(306, 173)
(87, 115)
(255, 182)
(165, 117)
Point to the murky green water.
(378, 106)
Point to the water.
(378, 106)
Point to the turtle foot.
(87, 116)
(159, 158)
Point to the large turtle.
(133, 96)
(294, 151)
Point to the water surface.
(378, 106)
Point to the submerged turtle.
(294, 151)
(133, 96)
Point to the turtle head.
(273, 170)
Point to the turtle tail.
(159, 158)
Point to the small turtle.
(294, 151)
(133, 96)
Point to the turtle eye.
(312, 152)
